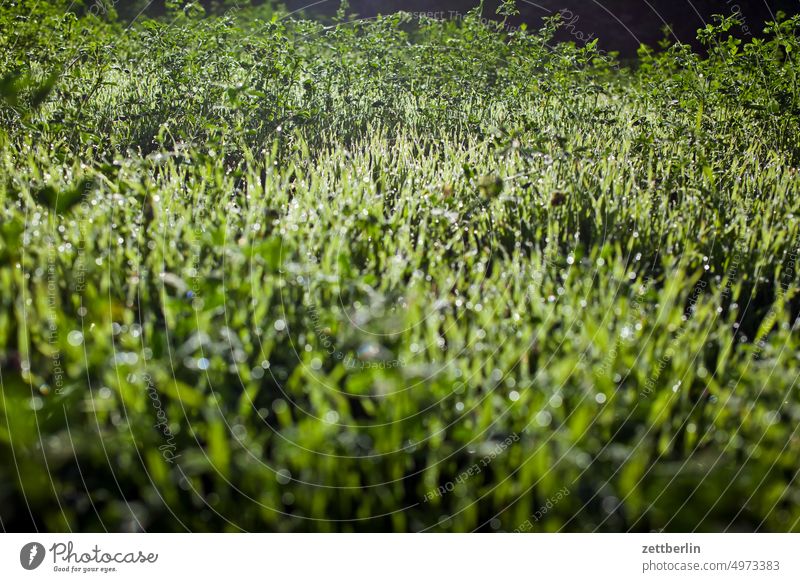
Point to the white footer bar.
(404, 558)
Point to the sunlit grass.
(275, 276)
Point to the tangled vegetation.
(403, 274)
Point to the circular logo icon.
(31, 555)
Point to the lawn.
(399, 274)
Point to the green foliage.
(508, 8)
(266, 274)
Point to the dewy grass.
(266, 274)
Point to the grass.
(267, 274)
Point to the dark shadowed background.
(618, 24)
